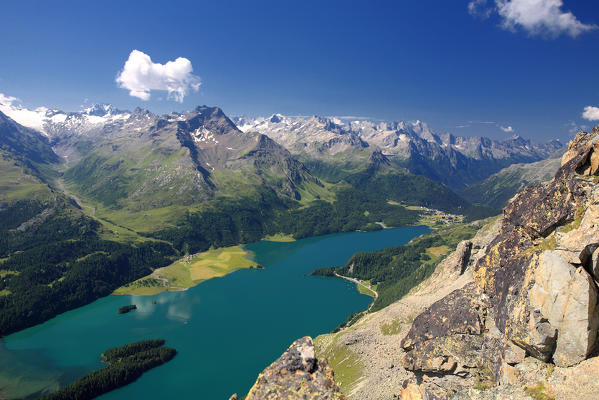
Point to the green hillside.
(496, 190)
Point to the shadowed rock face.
(534, 291)
(297, 374)
(461, 312)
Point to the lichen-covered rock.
(296, 375)
(457, 354)
(527, 286)
(539, 209)
(566, 297)
(577, 146)
(461, 312)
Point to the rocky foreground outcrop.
(296, 375)
(534, 292)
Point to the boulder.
(461, 311)
(412, 391)
(463, 252)
(564, 313)
(577, 146)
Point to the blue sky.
(453, 64)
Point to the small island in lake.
(126, 309)
(125, 365)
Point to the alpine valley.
(104, 199)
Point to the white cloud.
(140, 76)
(507, 129)
(540, 17)
(591, 113)
(7, 100)
(478, 8)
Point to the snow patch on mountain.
(53, 123)
(399, 138)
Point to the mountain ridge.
(452, 160)
(345, 142)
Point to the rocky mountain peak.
(101, 110)
(275, 118)
(212, 119)
(378, 158)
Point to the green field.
(392, 327)
(124, 224)
(4, 273)
(190, 271)
(279, 237)
(365, 289)
(439, 250)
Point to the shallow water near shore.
(226, 330)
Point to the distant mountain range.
(330, 147)
(452, 160)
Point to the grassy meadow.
(190, 271)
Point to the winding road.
(360, 283)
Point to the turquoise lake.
(226, 330)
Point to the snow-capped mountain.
(393, 138)
(453, 160)
(56, 123)
(320, 142)
(313, 135)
